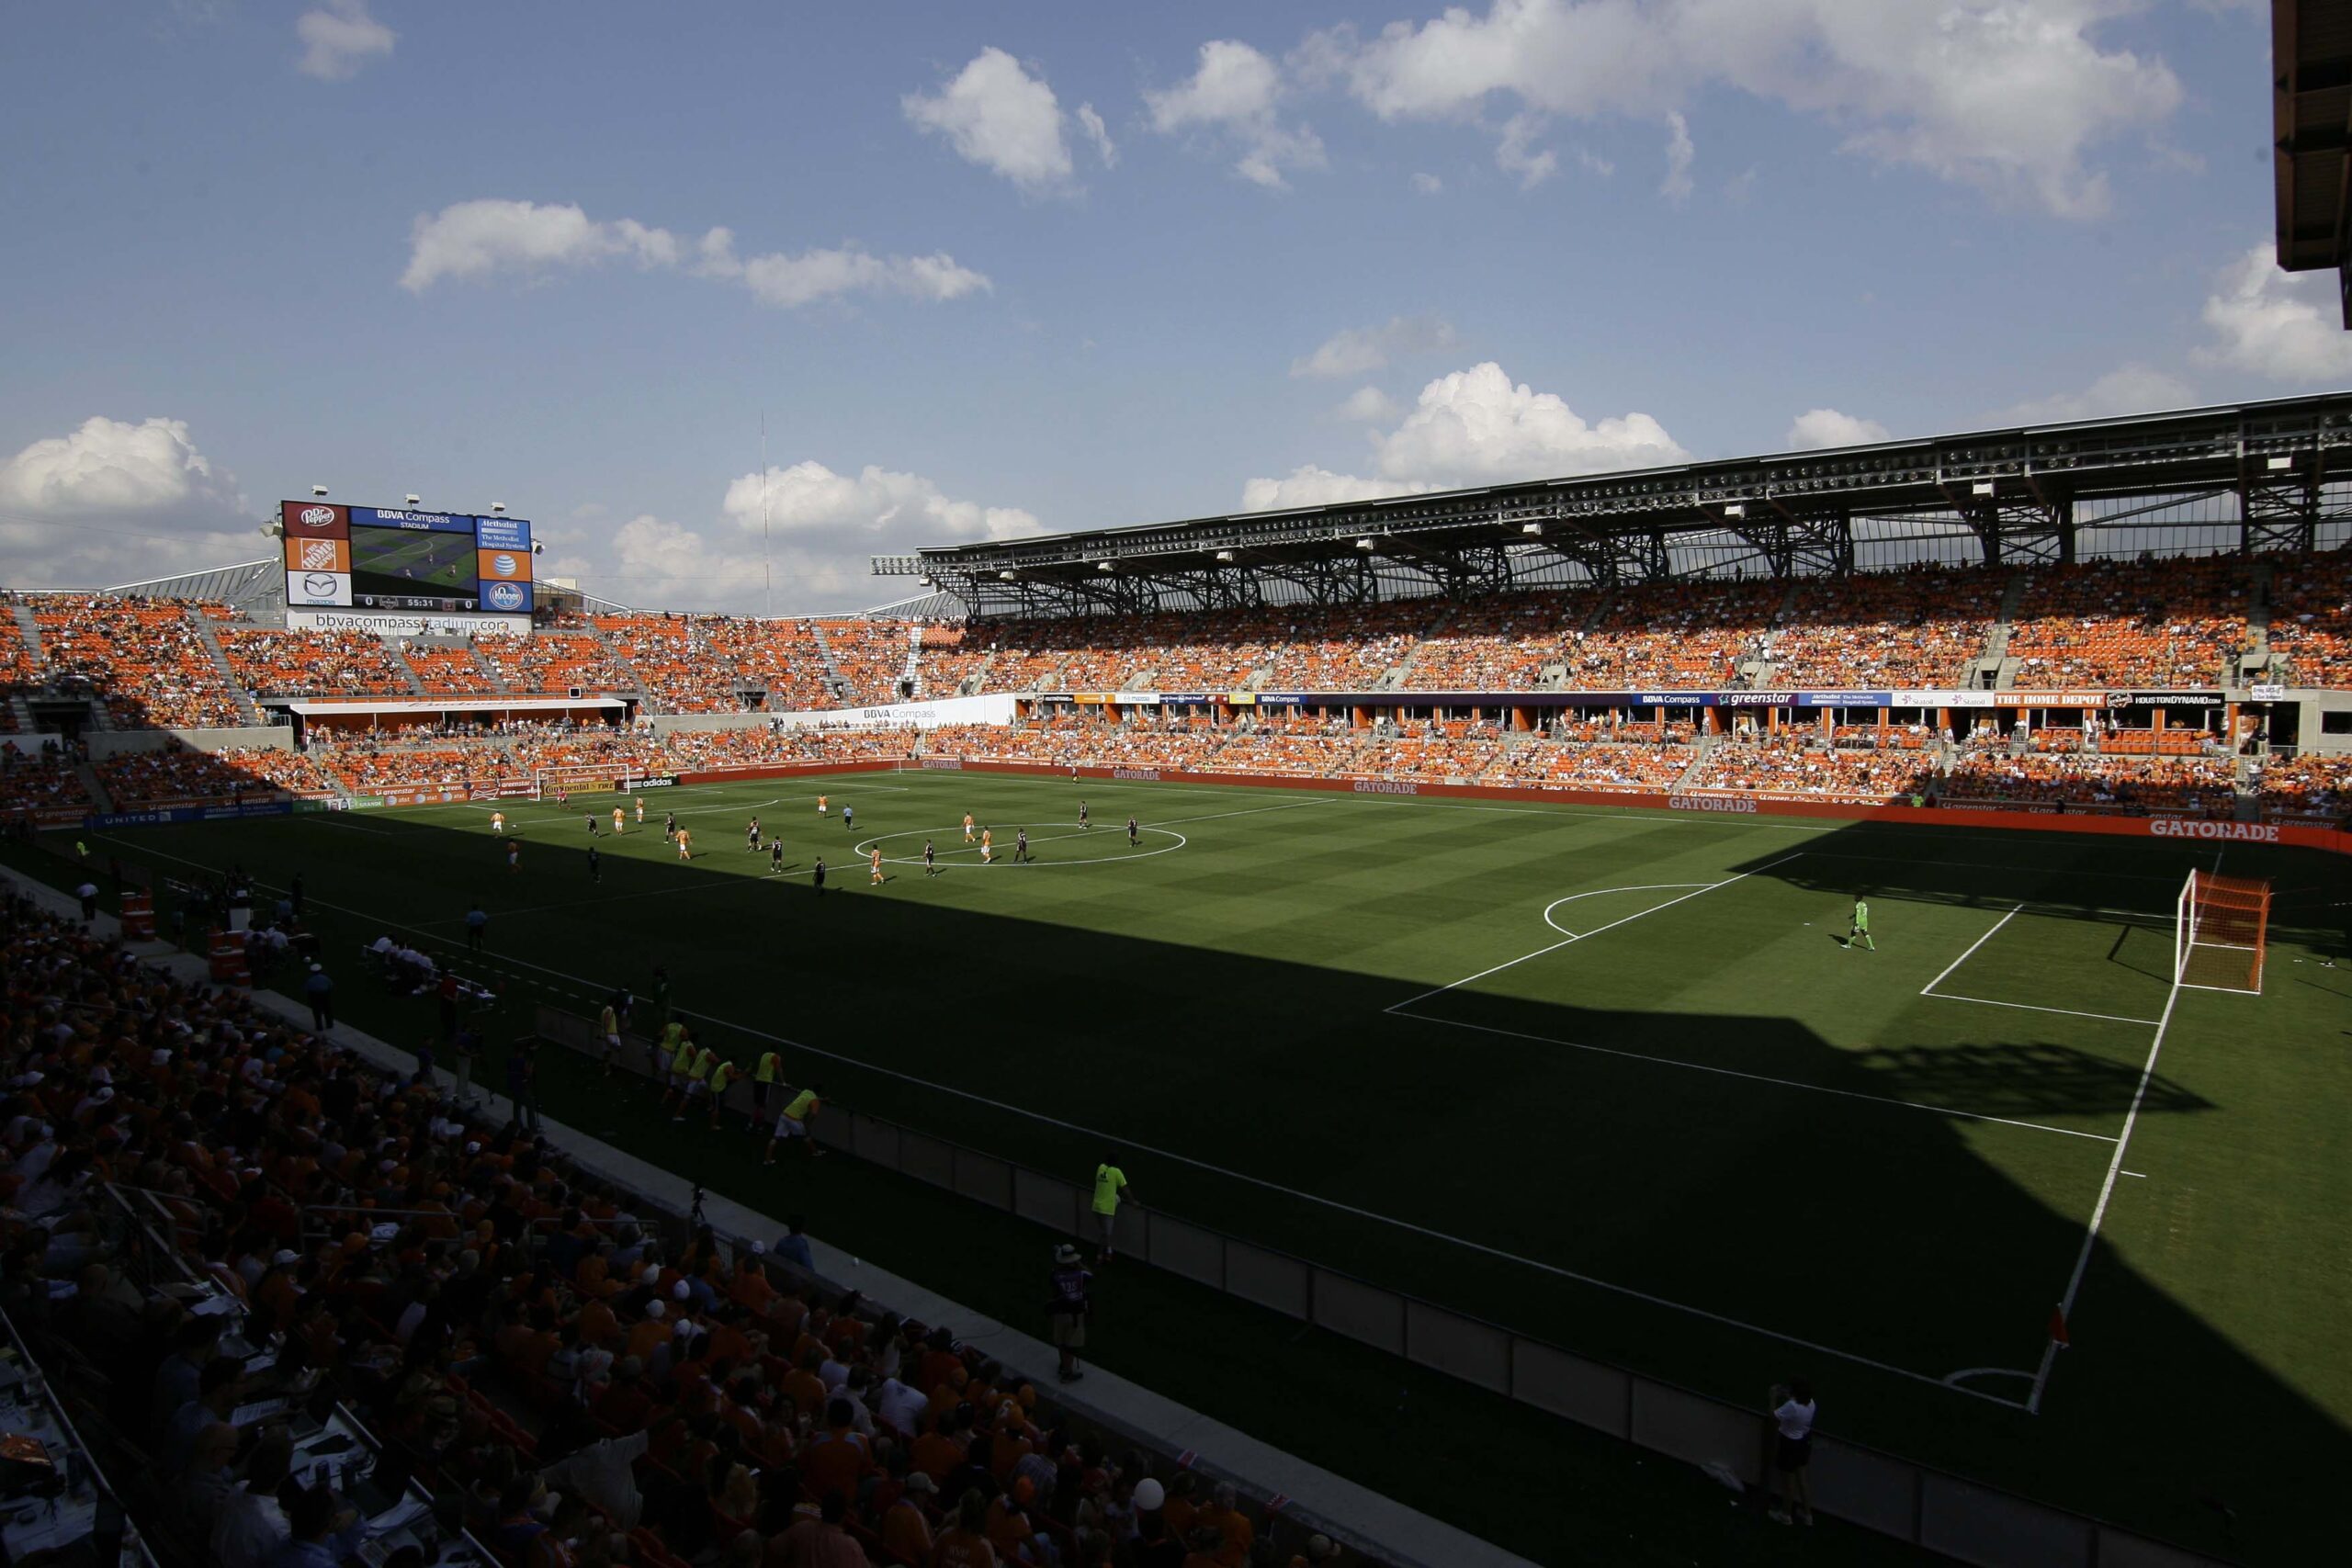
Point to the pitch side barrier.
(1884, 1492)
(1842, 808)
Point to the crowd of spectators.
(2310, 619)
(2170, 623)
(552, 663)
(1917, 628)
(1499, 644)
(1798, 764)
(869, 656)
(1685, 635)
(1597, 764)
(448, 669)
(45, 780)
(321, 663)
(2204, 784)
(579, 1385)
(177, 774)
(2308, 785)
(145, 658)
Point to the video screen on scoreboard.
(380, 558)
(394, 569)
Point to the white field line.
(2106, 1191)
(1762, 1078)
(1555, 947)
(1110, 1140)
(2035, 1006)
(1929, 989)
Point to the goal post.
(2220, 927)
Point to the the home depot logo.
(318, 555)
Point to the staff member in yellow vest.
(1110, 1184)
(798, 1114)
(608, 1024)
(769, 1072)
(721, 1076)
(698, 1072)
(664, 1049)
(681, 1061)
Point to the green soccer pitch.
(1608, 1077)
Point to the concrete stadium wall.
(1961, 1519)
(704, 722)
(104, 743)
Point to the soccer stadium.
(1420, 1031)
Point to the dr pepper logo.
(314, 517)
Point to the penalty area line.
(864, 1063)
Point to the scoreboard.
(373, 558)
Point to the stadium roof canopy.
(2251, 477)
(2310, 97)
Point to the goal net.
(2219, 931)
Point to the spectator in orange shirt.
(649, 1334)
(938, 1452)
(837, 1458)
(906, 1533)
(803, 1387)
(1237, 1532)
(965, 1544)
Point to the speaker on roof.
(575, 691)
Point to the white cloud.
(1427, 185)
(1513, 157)
(1817, 428)
(2127, 388)
(1310, 486)
(822, 526)
(1099, 134)
(1477, 426)
(2279, 324)
(114, 501)
(1368, 405)
(2009, 97)
(996, 114)
(1236, 93)
(1356, 350)
(338, 38)
(1680, 152)
(478, 239)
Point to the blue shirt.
(794, 1249)
(318, 985)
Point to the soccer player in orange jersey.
(875, 860)
(686, 844)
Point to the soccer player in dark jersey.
(752, 836)
(819, 873)
(776, 857)
(1021, 846)
(669, 824)
(929, 859)
(1133, 834)
(1081, 815)
(595, 865)
(592, 824)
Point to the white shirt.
(1796, 1420)
(248, 1532)
(899, 1406)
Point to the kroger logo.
(503, 564)
(505, 596)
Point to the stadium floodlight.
(1363, 544)
(498, 506)
(1225, 555)
(1982, 487)
(414, 499)
(2278, 462)
(1008, 577)
(318, 489)
(1532, 528)
(1736, 510)
(1102, 566)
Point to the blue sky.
(990, 269)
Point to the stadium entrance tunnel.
(1692, 1144)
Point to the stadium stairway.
(31, 630)
(636, 687)
(911, 672)
(835, 681)
(1365, 1521)
(398, 659)
(207, 633)
(99, 797)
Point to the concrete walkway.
(1377, 1527)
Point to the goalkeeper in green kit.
(1860, 930)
